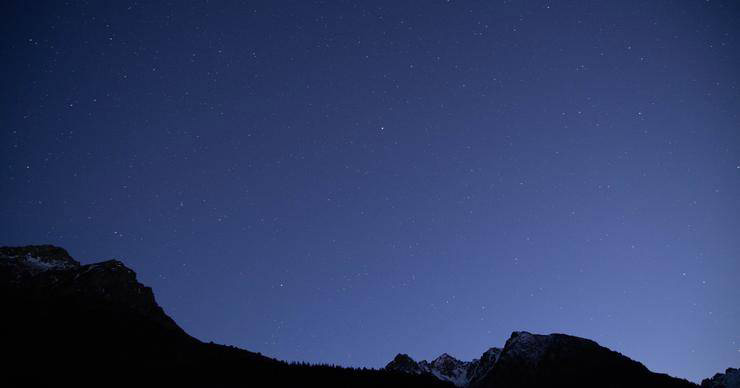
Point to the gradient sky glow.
(340, 181)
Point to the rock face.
(729, 379)
(531, 360)
(480, 367)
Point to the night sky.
(341, 181)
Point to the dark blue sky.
(342, 181)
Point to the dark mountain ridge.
(97, 325)
(729, 379)
(533, 360)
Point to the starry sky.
(341, 181)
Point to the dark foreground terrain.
(96, 325)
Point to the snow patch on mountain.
(448, 368)
(37, 259)
(45, 265)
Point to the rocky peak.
(527, 347)
(404, 363)
(445, 361)
(50, 273)
(33, 259)
(729, 379)
(451, 369)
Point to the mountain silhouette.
(96, 325)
